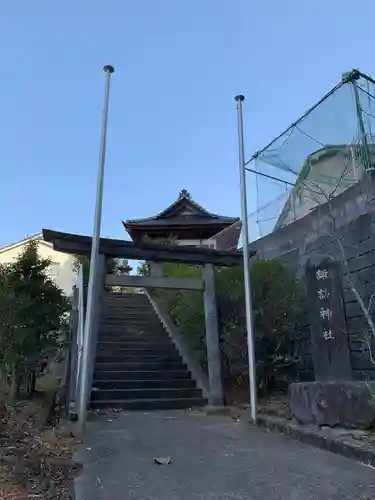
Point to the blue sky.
(172, 118)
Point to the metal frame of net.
(317, 157)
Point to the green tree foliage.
(32, 312)
(277, 308)
(276, 300)
(85, 262)
(113, 266)
(143, 269)
(185, 307)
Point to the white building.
(325, 174)
(61, 263)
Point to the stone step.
(132, 325)
(157, 330)
(139, 366)
(150, 404)
(144, 357)
(126, 328)
(155, 338)
(160, 393)
(166, 349)
(126, 342)
(182, 383)
(146, 311)
(141, 323)
(125, 304)
(132, 328)
(118, 301)
(130, 318)
(128, 306)
(136, 345)
(126, 375)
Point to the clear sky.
(172, 121)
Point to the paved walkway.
(213, 458)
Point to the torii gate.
(155, 255)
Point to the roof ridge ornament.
(184, 193)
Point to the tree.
(11, 307)
(32, 312)
(113, 266)
(143, 269)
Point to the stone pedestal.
(348, 404)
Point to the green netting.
(316, 158)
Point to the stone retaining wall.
(343, 229)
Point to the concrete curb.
(315, 437)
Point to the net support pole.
(94, 261)
(352, 78)
(246, 263)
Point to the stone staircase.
(137, 366)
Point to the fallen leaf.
(163, 460)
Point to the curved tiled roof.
(183, 211)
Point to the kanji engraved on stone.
(325, 313)
(321, 274)
(327, 334)
(323, 293)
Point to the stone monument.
(333, 398)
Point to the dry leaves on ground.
(35, 463)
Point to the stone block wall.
(343, 229)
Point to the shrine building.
(187, 223)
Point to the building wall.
(333, 174)
(313, 237)
(61, 267)
(210, 242)
(197, 243)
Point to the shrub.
(276, 301)
(32, 313)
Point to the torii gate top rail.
(81, 245)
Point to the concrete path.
(213, 458)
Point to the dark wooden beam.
(81, 245)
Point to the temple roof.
(228, 238)
(182, 212)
